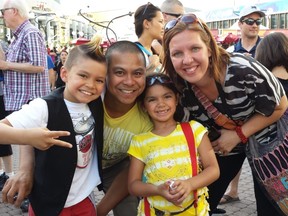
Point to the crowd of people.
(162, 125)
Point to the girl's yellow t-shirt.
(168, 158)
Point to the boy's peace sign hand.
(43, 139)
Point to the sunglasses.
(161, 79)
(4, 9)
(187, 19)
(147, 5)
(250, 21)
(172, 14)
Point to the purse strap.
(219, 118)
(187, 130)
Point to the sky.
(108, 9)
(70, 6)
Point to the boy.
(64, 179)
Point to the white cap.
(249, 10)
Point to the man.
(249, 24)
(171, 9)
(24, 64)
(123, 118)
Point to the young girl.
(161, 167)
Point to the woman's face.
(156, 26)
(63, 56)
(190, 56)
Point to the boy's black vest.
(55, 167)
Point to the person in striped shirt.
(237, 85)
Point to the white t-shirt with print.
(86, 176)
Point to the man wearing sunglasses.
(171, 9)
(249, 24)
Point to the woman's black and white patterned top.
(248, 88)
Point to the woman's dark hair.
(272, 51)
(64, 51)
(144, 12)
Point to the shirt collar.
(240, 49)
(17, 32)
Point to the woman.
(149, 25)
(272, 52)
(58, 66)
(237, 86)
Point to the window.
(274, 21)
(282, 21)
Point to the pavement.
(245, 207)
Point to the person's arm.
(36, 55)
(20, 67)
(2, 54)
(52, 78)
(154, 62)
(229, 138)
(19, 186)
(40, 138)
(116, 192)
(52, 73)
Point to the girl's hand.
(180, 189)
(164, 191)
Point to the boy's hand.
(17, 188)
(42, 138)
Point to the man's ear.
(64, 74)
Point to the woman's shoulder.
(240, 62)
(244, 67)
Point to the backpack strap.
(146, 207)
(187, 130)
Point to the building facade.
(222, 21)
